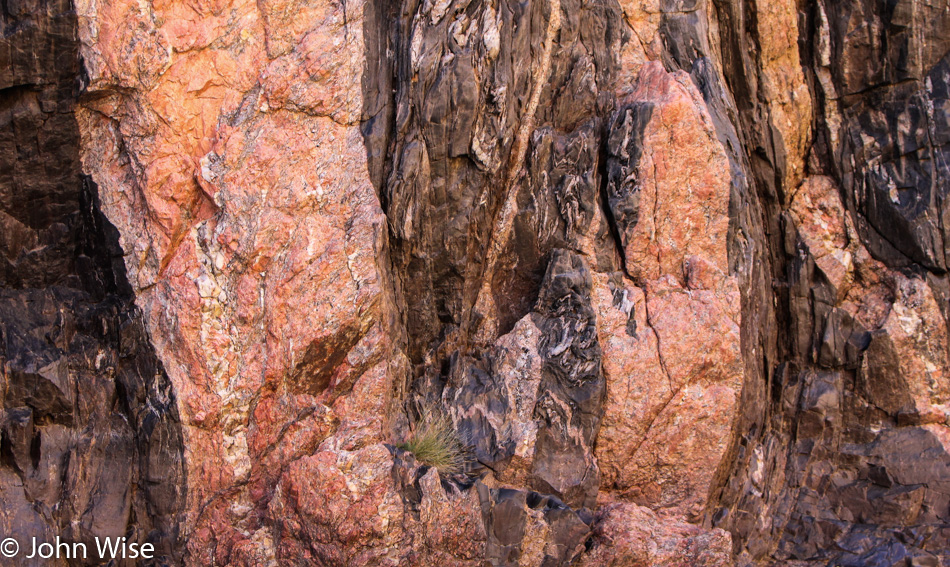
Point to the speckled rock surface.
(242, 192)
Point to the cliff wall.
(674, 270)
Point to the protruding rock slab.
(225, 139)
(669, 330)
(533, 412)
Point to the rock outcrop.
(675, 271)
(90, 438)
(243, 194)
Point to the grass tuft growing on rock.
(436, 443)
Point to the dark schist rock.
(572, 388)
(540, 389)
(829, 415)
(89, 438)
(442, 113)
(889, 75)
(812, 478)
(516, 520)
(519, 526)
(442, 116)
(624, 146)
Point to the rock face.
(675, 271)
(90, 438)
(674, 367)
(243, 194)
(821, 474)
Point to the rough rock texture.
(630, 535)
(532, 416)
(90, 441)
(673, 390)
(238, 182)
(820, 466)
(675, 269)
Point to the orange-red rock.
(671, 336)
(228, 156)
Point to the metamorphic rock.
(674, 271)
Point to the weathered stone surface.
(886, 382)
(856, 243)
(823, 224)
(668, 182)
(672, 357)
(782, 84)
(628, 535)
(452, 144)
(90, 441)
(527, 528)
(232, 165)
(378, 506)
(890, 90)
(676, 269)
(532, 410)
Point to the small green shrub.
(436, 443)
